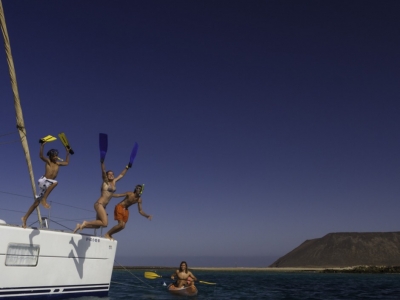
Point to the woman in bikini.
(183, 275)
(108, 187)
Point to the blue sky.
(260, 124)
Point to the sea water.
(131, 284)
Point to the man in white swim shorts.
(47, 182)
(44, 183)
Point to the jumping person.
(47, 182)
(121, 212)
(108, 187)
(184, 277)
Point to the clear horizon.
(197, 261)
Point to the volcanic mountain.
(345, 249)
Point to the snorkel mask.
(142, 186)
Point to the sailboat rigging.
(17, 104)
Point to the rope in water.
(133, 276)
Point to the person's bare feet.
(44, 203)
(107, 236)
(78, 227)
(84, 223)
(23, 222)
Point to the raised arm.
(103, 171)
(66, 161)
(122, 174)
(45, 159)
(141, 210)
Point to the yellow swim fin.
(47, 138)
(64, 141)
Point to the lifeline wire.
(134, 275)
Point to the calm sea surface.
(258, 285)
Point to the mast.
(17, 104)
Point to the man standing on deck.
(121, 212)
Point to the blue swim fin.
(103, 145)
(133, 154)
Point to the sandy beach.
(350, 269)
(266, 269)
(262, 269)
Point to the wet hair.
(108, 172)
(180, 266)
(52, 153)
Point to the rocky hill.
(345, 249)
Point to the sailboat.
(38, 262)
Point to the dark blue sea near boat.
(261, 285)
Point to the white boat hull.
(58, 265)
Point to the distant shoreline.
(227, 268)
(353, 269)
